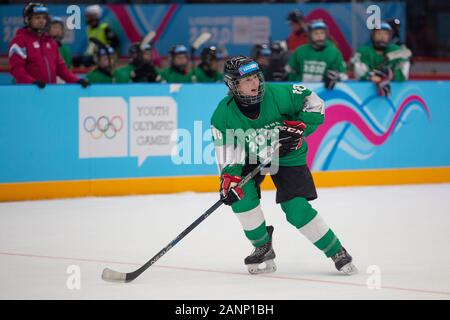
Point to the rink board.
(65, 141)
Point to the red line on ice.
(361, 285)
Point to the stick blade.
(147, 39)
(202, 38)
(114, 276)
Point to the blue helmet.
(178, 49)
(31, 9)
(317, 25)
(385, 26)
(381, 45)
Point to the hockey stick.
(148, 38)
(198, 42)
(116, 276)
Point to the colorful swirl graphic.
(355, 116)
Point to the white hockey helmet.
(94, 10)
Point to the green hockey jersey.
(366, 59)
(98, 76)
(238, 138)
(66, 54)
(307, 64)
(170, 75)
(202, 77)
(123, 74)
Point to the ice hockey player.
(382, 61)
(57, 31)
(319, 60)
(278, 60)
(261, 53)
(178, 71)
(104, 60)
(141, 67)
(208, 69)
(279, 114)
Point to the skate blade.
(349, 269)
(269, 267)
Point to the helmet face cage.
(239, 68)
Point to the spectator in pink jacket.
(34, 56)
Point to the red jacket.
(34, 58)
(294, 41)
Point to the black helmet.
(209, 54)
(137, 47)
(134, 49)
(295, 16)
(261, 50)
(315, 25)
(394, 23)
(240, 67)
(278, 49)
(33, 8)
(103, 51)
(136, 52)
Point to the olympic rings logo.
(103, 126)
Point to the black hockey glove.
(230, 192)
(383, 76)
(84, 83)
(145, 73)
(290, 136)
(41, 84)
(330, 79)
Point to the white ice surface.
(403, 230)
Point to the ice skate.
(343, 262)
(262, 255)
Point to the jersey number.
(298, 88)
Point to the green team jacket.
(123, 74)
(170, 75)
(281, 102)
(97, 76)
(366, 59)
(307, 64)
(66, 54)
(202, 77)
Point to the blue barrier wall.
(64, 132)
